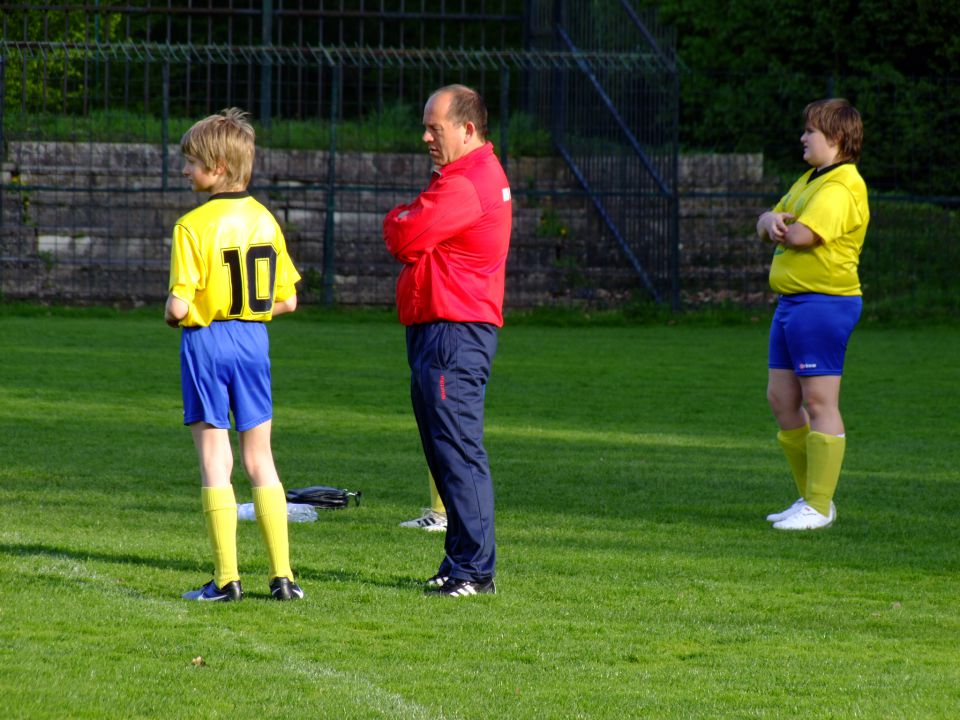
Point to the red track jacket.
(453, 242)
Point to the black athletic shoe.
(230, 592)
(432, 585)
(284, 589)
(465, 588)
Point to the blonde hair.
(227, 138)
(840, 123)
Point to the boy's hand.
(773, 226)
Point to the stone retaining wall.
(93, 222)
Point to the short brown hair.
(226, 138)
(840, 123)
(466, 105)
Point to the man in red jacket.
(453, 242)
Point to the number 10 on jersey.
(253, 277)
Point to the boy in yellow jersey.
(818, 229)
(230, 274)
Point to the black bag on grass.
(323, 496)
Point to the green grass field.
(638, 579)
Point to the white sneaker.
(430, 521)
(784, 514)
(806, 518)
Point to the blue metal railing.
(619, 137)
(608, 220)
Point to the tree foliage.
(751, 67)
(52, 78)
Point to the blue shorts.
(226, 367)
(809, 332)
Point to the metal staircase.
(617, 131)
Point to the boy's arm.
(779, 227)
(175, 310)
(184, 276)
(285, 306)
(285, 291)
(799, 236)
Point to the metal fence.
(584, 106)
(218, 52)
(94, 98)
(617, 132)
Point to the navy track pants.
(449, 368)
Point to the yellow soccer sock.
(220, 513)
(436, 504)
(270, 504)
(794, 444)
(824, 459)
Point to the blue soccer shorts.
(225, 368)
(810, 331)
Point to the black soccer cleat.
(434, 584)
(231, 592)
(465, 588)
(282, 588)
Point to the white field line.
(384, 702)
(364, 692)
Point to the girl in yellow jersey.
(817, 229)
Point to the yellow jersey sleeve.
(287, 277)
(831, 212)
(186, 265)
(229, 261)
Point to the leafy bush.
(396, 129)
(750, 70)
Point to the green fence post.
(266, 68)
(165, 126)
(329, 245)
(675, 194)
(504, 114)
(3, 103)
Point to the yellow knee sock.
(794, 444)
(220, 513)
(270, 504)
(824, 459)
(436, 504)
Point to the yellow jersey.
(834, 206)
(229, 261)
